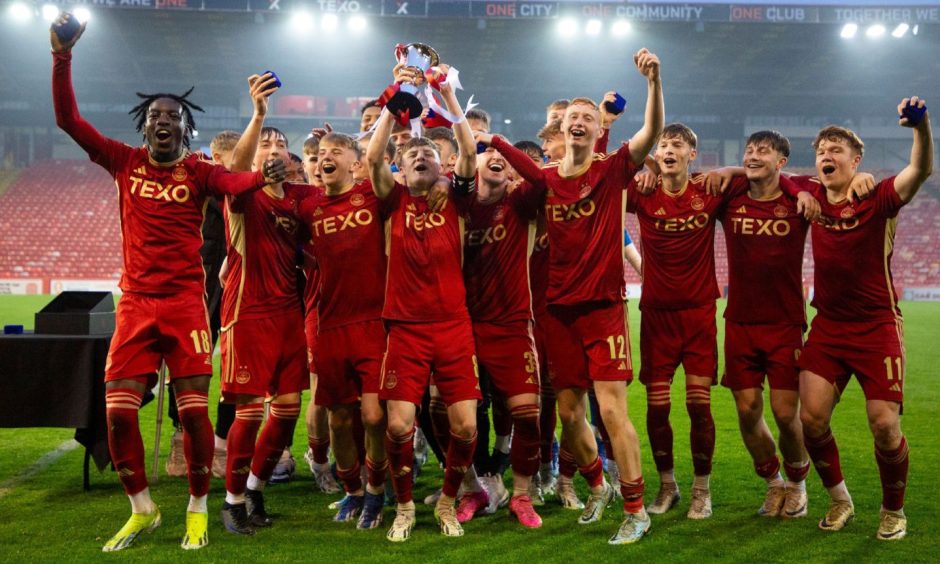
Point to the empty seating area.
(59, 219)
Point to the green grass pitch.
(45, 516)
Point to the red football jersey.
(425, 258)
(677, 232)
(852, 248)
(498, 240)
(765, 240)
(162, 204)
(584, 216)
(348, 240)
(263, 236)
(311, 278)
(538, 274)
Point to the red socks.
(796, 474)
(440, 424)
(124, 440)
(502, 417)
(241, 445)
(376, 472)
(892, 466)
(524, 454)
(824, 452)
(768, 468)
(459, 458)
(566, 463)
(198, 442)
(593, 472)
(274, 437)
(320, 448)
(702, 431)
(351, 478)
(632, 492)
(401, 455)
(658, 427)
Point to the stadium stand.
(59, 219)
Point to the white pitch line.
(44, 462)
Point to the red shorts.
(310, 331)
(349, 362)
(507, 353)
(541, 348)
(873, 351)
(669, 338)
(588, 343)
(149, 329)
(264, 357)
(415, 350)
(752, 351)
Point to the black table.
(57, 381)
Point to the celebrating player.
(588, 343)
(348, 241)
(425, 311)
(162, 313)
(500, 224)
(858, 328)
(765, 320)
(263, 345)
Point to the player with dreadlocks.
(141, 113)
(163, 191)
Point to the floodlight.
(875, 31)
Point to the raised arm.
(643, 140)
(518, 160)
(67, 116)
(259, 88)
(466, 166)
(909, 180)
(381, 175)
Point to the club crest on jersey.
(847, 212)
(780, 211)
(242, 376)
(697, 204)
(288, 224)
(585, 191)
(391, 380)
(179, 174)
(357, 199)
(499, 214)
